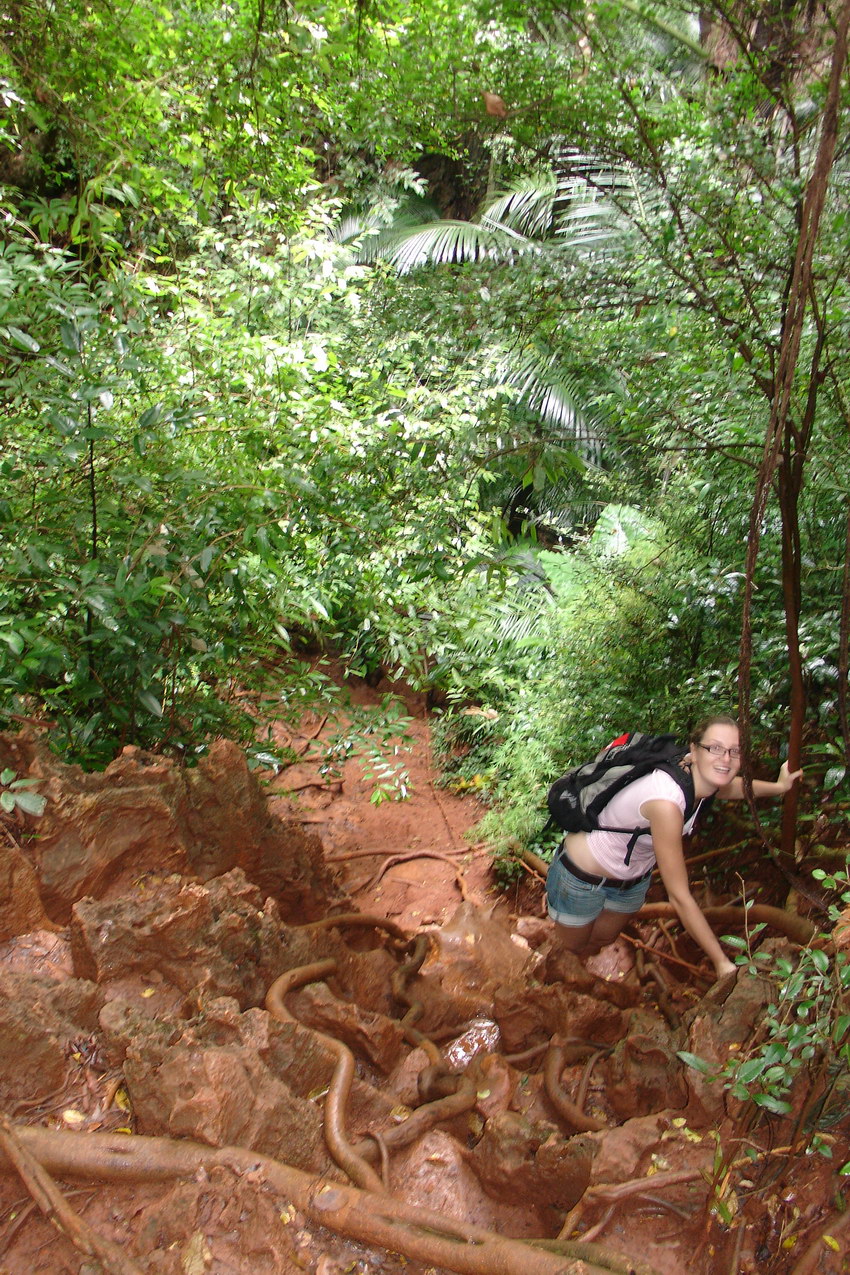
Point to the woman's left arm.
(786, 779)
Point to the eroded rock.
(373, 1036)
(147, 811)
(21, 909)
(39, 1021)
(517, 1158)
(219, 936)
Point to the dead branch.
(421, 1235)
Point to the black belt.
(616, 883)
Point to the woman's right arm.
(665, 821)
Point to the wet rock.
(122, 1023)
(147, 811)
(517, 1158)
(367, 975)
(643, 1075)
(561, 966)
(531, 1015)
(373, 1036)
(21, 909)
(39, 952)
(219, 936)
(403, 1082)
(219, 1225)
(716, 1030)
(226, 1094)
(39, 1020)
(469, 959)
(497, 1085)
(647, 1145)
(435, 1174)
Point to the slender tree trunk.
(782, 438)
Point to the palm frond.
(527, 206)
(444, 242)
(553, 395)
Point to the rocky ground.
(270, 1028)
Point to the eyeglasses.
(717, 750)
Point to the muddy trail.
(267, 1028)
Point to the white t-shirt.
(624, 810)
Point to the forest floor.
(140, 1017)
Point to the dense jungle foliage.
(501, 348)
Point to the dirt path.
(413, 860)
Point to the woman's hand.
(724, 967)
(787, 778)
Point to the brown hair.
(722, 719)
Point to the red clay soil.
(138, 953)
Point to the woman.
(590, 891)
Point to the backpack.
(576, 799)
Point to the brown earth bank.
(270, 1027)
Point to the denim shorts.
(572, 901)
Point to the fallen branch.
(56, 1208)
(796, 928)
(421, 1235)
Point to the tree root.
(336, 1101)
(796, 928)
(421, 1235)
(362, 920)
(565, 1107)
(418, 854)
(51, 1201)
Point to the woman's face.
(711, 756)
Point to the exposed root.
(421, 1235)
(581, 1096)
(418, 854)
(423, 1120)
(796, 928)
(378, 854)
(361, 920)
(336, 1101)
(565, 1106)
(46, 1194)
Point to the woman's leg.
(573, 905)
(589, 917)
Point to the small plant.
(378, 737)
(806, 1020)
(17, 794)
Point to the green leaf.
(71, 337)
(32, 802)
(777, 1105)
(698, 1064)
(750, 1070)
(24, 340)
(151, 703)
